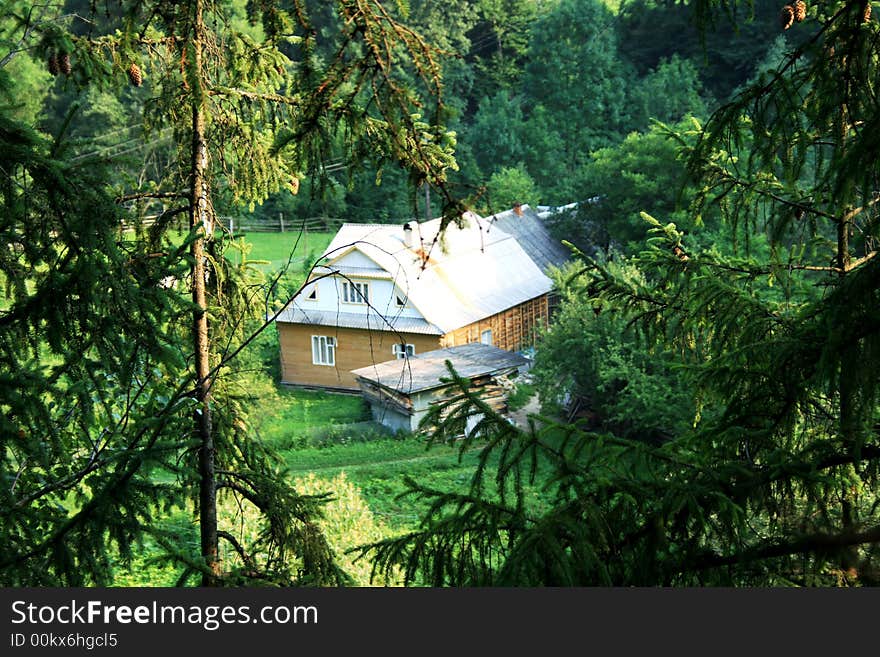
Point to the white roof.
(460, 277)
(370, 320)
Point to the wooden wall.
(512, 330)
(355, 348)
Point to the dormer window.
(355, 292)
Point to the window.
(323, 350)
(355, 292)
(313, 295)
(486, 336)
(403, 350)
(399, 300)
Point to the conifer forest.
(705, 396)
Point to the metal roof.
(454, 279)
(423, 371)
(356, 272)
(366, 320)
(532, 234)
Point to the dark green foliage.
(499, 44)
(578, 87)
(620, 382)
(497, 133)
(643, 173)
(668, 93)
(87, 392)
(725, 48)
(777, 325)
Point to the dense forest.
(718, 326)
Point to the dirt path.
(521, 417)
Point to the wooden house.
(400, 392)
(394, 291)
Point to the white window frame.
(324, 350)
(398, 298)
(487, 333)
(407, 350)
(356, 292)
(314, 291)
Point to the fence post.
(231, 227)
(281, 218)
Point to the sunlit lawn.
(279, 248)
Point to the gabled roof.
(465, 275)
(532, 234)
(423, 371)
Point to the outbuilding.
(401, 391)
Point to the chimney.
(517, 208)
(410, 239)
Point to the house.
(390, 291)
(400, 392)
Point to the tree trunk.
(846, 390)
(201, 220)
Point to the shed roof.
(423, 371)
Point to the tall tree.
(775, 484)
(574, 87)
(499, 45)
(249, 117)
(643, 173)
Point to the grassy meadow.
(273, 251)
(330, 434)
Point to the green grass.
(375, 464)
(300, 413)
(521, 396)
(328, 433)
(276, 249)
(378, 468)
(302, 429)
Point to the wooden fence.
(283, 224)
(242, 225)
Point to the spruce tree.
(776, 331)
(252, 112)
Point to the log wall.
(512, 330)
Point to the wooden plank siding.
(355, 348)
(512, 330)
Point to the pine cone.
(786, 17)
(53, 65)
(134, 75)
(679, 253)
(800, 10)
(64, 63)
